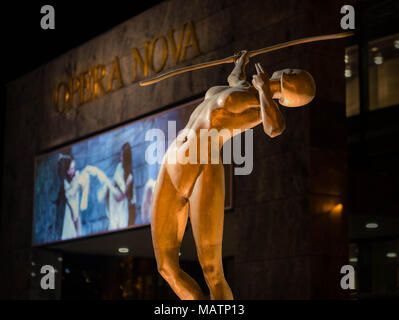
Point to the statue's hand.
(260, 80)
(241, 57)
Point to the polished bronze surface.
(197, 189)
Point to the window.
(352, 81)
(383, 74)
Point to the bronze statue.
(198, 188)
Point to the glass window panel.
(384, 72)
(385, 266)
(352, 81)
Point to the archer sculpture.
(196, 188)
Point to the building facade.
(286, 233)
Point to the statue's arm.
(272, 119)
(237, 76)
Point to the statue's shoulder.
(215, 90)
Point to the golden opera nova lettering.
(98, 80)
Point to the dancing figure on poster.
(117, 193)
(73, 194)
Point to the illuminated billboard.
(102, 183)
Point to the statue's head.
(297, 87)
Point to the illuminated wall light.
(378, 59)
(374, 49)
(396, 44)
(123, 250)
(337, 210)
(346, 58)
(348, 72)
(372, 225)
(353, 259)
(392, 255)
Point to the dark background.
(28, 46)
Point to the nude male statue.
(197, 189)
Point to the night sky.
(26, 46)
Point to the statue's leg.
(207, 215)
(169, 215)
